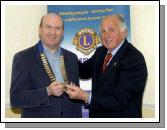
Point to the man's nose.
(53, 31)
(106, 35)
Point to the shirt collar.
(45, 49)
(116, 49)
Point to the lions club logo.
(86, 40)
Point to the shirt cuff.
(89, 98)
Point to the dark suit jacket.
(29, 82)
(118, 91)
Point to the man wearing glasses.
(40, 73)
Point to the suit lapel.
(37, 55)
(100, 59)
(115, 61)
(39, 61)
(112, 65)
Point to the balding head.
(51, 30)
(51, 15)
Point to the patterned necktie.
(106, 60)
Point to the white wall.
(143, 38)
(21, 31)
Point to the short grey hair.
(122, 21)
(120, 18)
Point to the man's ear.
(39, 29)
(125, 33)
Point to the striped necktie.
(106, 60)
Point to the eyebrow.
(53, 26)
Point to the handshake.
(74, 92)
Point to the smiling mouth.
(52, 38)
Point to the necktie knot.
(106, 60)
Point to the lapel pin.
(115, 63)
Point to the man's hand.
(55, 89)
(75, 92)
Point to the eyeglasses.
(49, 28)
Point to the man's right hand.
(55, 89)
(75, 92)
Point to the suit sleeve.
(86, 68)
(21, 92)
(75, 72)
(128, 86)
